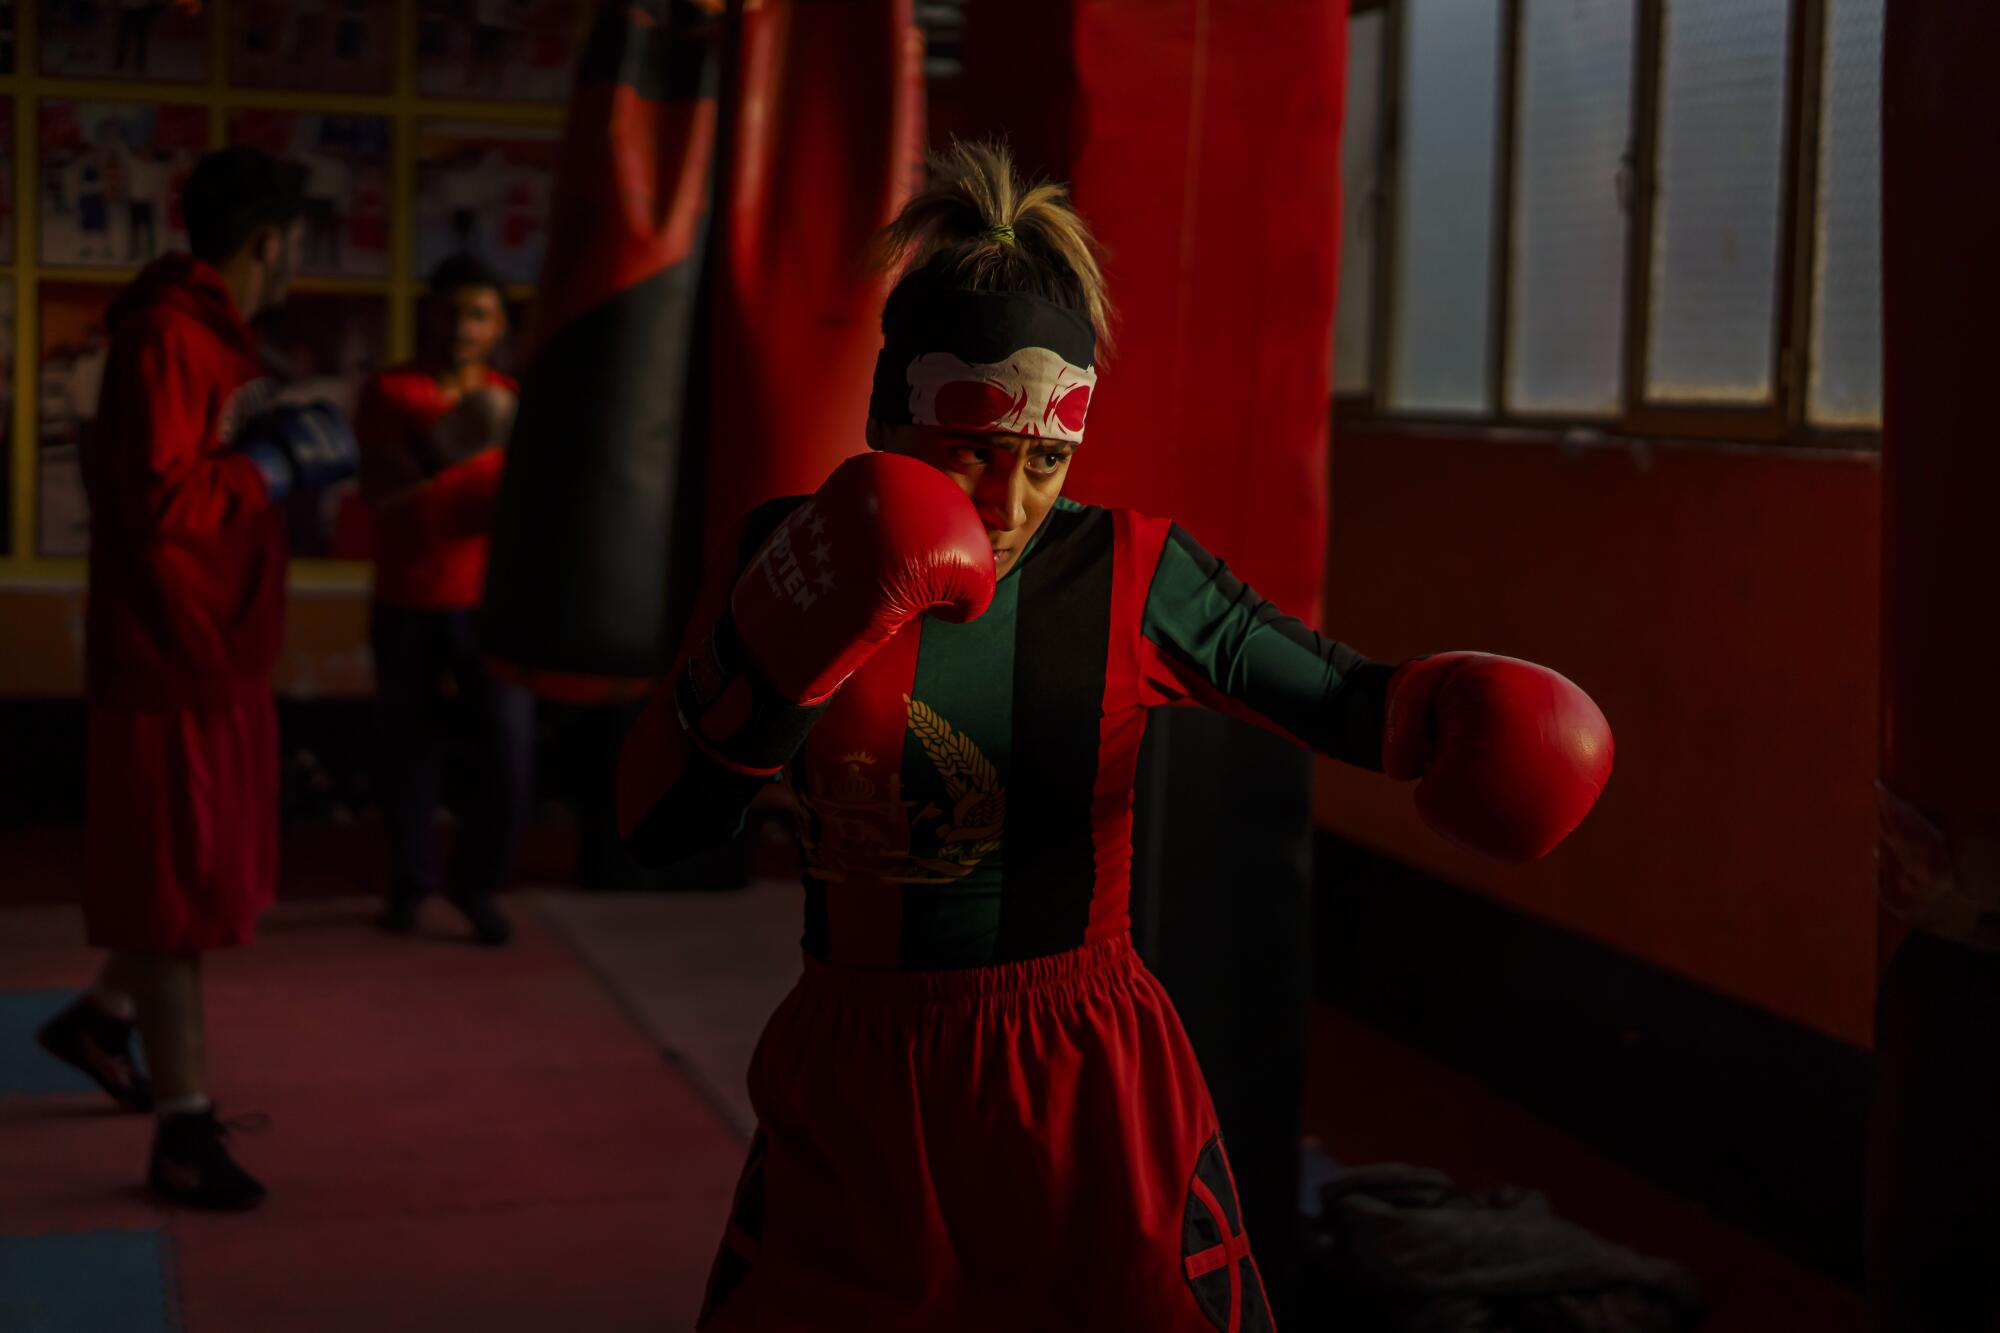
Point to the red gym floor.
(545, 1137)
(459, 1138)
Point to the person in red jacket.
(184, 467)
(431, 432)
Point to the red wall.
(1720, 604)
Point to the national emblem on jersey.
(970, 831)
(863, 822)
(868, 825)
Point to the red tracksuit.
(431, 534)
(186, 607)
(431, 526)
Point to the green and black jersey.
(967, 795)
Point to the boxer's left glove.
(885, 540)
(1510, 756)
(301, 446)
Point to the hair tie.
(1004, 233)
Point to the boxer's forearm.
(1227, 648)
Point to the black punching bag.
(1221, 912)
(578, 594)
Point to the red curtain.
(825, 143)
(1202, 138)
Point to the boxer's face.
(475, 321)
(278, 249)
(1013, 480)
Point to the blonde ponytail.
(976, 226)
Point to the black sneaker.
(85, 1037)
(191, 1166)
(489, 925)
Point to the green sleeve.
(1229, 648)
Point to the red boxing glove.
(886, 539)
(1511, 755)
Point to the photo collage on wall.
(110, 168)
(485, 190)
(322, 46)
(111, 177)
(347, 185)
(124, 39)
(6, 411)
(8, 206)
(7, 210)
(497, 50)
(73, 344)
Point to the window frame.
(1782, 422)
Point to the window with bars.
(1654, 217)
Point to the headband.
(998, 362)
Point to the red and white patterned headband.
(996, 362)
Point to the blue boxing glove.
(301, 446)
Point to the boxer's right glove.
(886, 539)
(1510, 756)
(301, 446)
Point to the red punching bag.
(1201, 140)
(577, 593)
(1934, 1187)
(823, 145)
(1214, 182)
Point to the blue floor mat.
(24, 1066)
(86, 1282)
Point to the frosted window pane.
(1721, 177)
(1567, 312)
(1360, 183)
(1847, 283)
(1444, 212)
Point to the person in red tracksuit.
(430, 435)
(185, 466)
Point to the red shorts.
(181, 821)
(1021, 1147)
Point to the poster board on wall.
(326, 46)
(73, 343)
(484, 190)
(124, 39)
(110, 179)
(8, 196)
(347, 163)
(498, 50)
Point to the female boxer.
(977, 1108)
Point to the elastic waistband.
(1053, 973)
